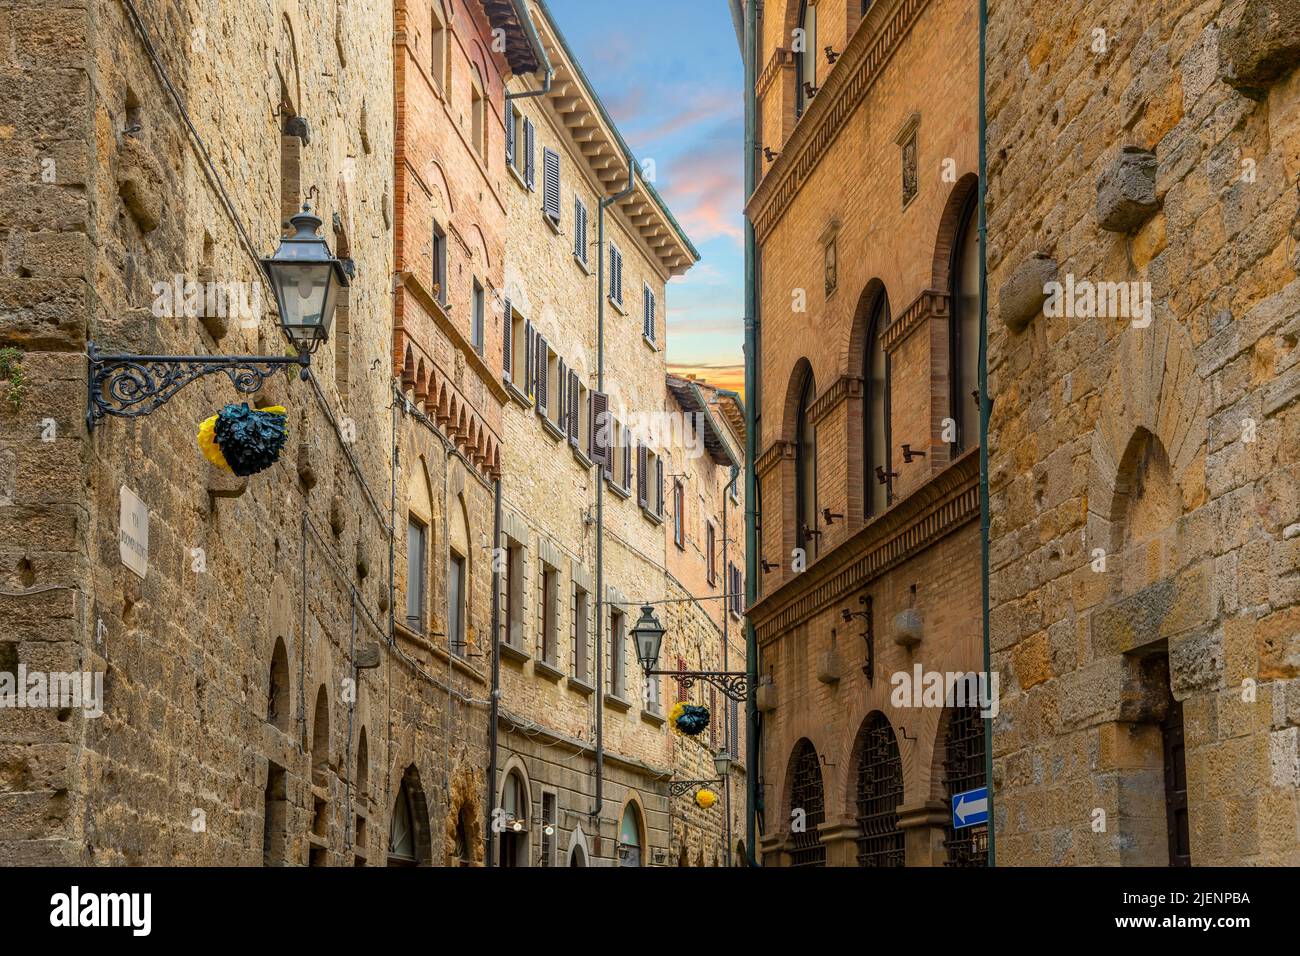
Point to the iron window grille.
(963, 769)
(806, 794)
(880, 791)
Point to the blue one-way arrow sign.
(970, 808)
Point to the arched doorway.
(514, 836)
(631, 837)
(879, 792)
(408, 827)
(807, 807)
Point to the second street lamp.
(648, 635)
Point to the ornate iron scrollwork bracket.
(131, 386)
(678, 788)
(735, 684)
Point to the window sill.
(651, 516)
(548, 670)
(654, 717)
(617, 703)
(519, 397)
(553, 223)
(579, 454)
(618, 489)
(552, 429)
(618, 306)
(650, 343)
(517, 176)
(514, 652)
(580, 686)
(585, 267)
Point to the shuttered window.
(598, 441)
(659, 486)
(627, 461)
(615, 274)
(507, 333)
(579, 230)
(642, 479)
(562, 398)
(575, 409)
(551, 184)
(648, 308)
(530, 167)
(510, 133)
(530, 354)
(540, 363)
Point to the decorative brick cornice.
(844, 387)
(861, 64)
(781, 57)
(929, 304)
(776, 451)
(939, 507)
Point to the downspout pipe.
(986, 407)
(535, 41)
(752, 392)
(490, 803)
(726, 644)
(600, 485)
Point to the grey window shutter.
(529, 379)
(579, 229)
(659, 486)
(551, 184)
(598, 441)
(627, 460)
(642, 479)
(530, 167)
(575, 414)
(506, 332)
(541, 374)
(615, 274)
(510, 133)
(562, 382)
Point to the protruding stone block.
(139, 183)
(907, 628)
(765, 697)
(828, 667)
(1021, 296)
(366, 657)
(1262, 47)
(1126, 191)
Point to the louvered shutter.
(551, 184)
(510, 133)
(649, 313)
(642, 479)
(575, 413)
(598, 441)
(529, 380)
(542, 377)
(615, 274)
(627, 460)
(507, 331)
(562, 403)
(530, 167)
(579, 229)
(659, 486)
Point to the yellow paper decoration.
(208, 437)
(705, 798)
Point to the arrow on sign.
(963, 808)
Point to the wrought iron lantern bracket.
(678, 788)
(735, 684)
(132, 386)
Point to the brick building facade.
(867, 460)
(1145, 513)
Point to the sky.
(670, 75)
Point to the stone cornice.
(775, 452)
(929, 304)
(945, 503)
(842, 388)
(863, 60)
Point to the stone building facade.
(584, 754)
(867, 463)
(257, 705)
(1145, 493)
(704, 519)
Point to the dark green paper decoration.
(250, 440)
(693, 719)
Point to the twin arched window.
(805, 58)
(876, 442)
(964, 316)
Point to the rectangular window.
(514, 595)
(626, 480)
(476, 332)
(710, 547)
(548, 829)
(679, 515)
(529, 168)
(648, 310)
(456, 604)
(579, 230)
(551, 184)
(550, 613)
(615, 274)
(416, 539)
(616, 675)
(439, 277)
(581, 633)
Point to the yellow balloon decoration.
(705, 798)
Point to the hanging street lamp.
(648, 636)
(306, 279)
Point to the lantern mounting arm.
(678, 788)
(734, 684)
(132, 386)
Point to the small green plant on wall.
(11, 372)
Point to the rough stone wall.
(177, 768)
(1143, 473)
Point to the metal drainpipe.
(728, 704)
(985, 408)
(600, 488)
(751, 396)
(496, 673)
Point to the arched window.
(878, 481)
(363, 768)
(277, 694)
(408, 828)
(963, 769)
(320, 737)
(805, 58)
(808, 807)
(514, 838)
(630, 848)
(805, 465)
(464, 850)
(964, 319)
(880, 791)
